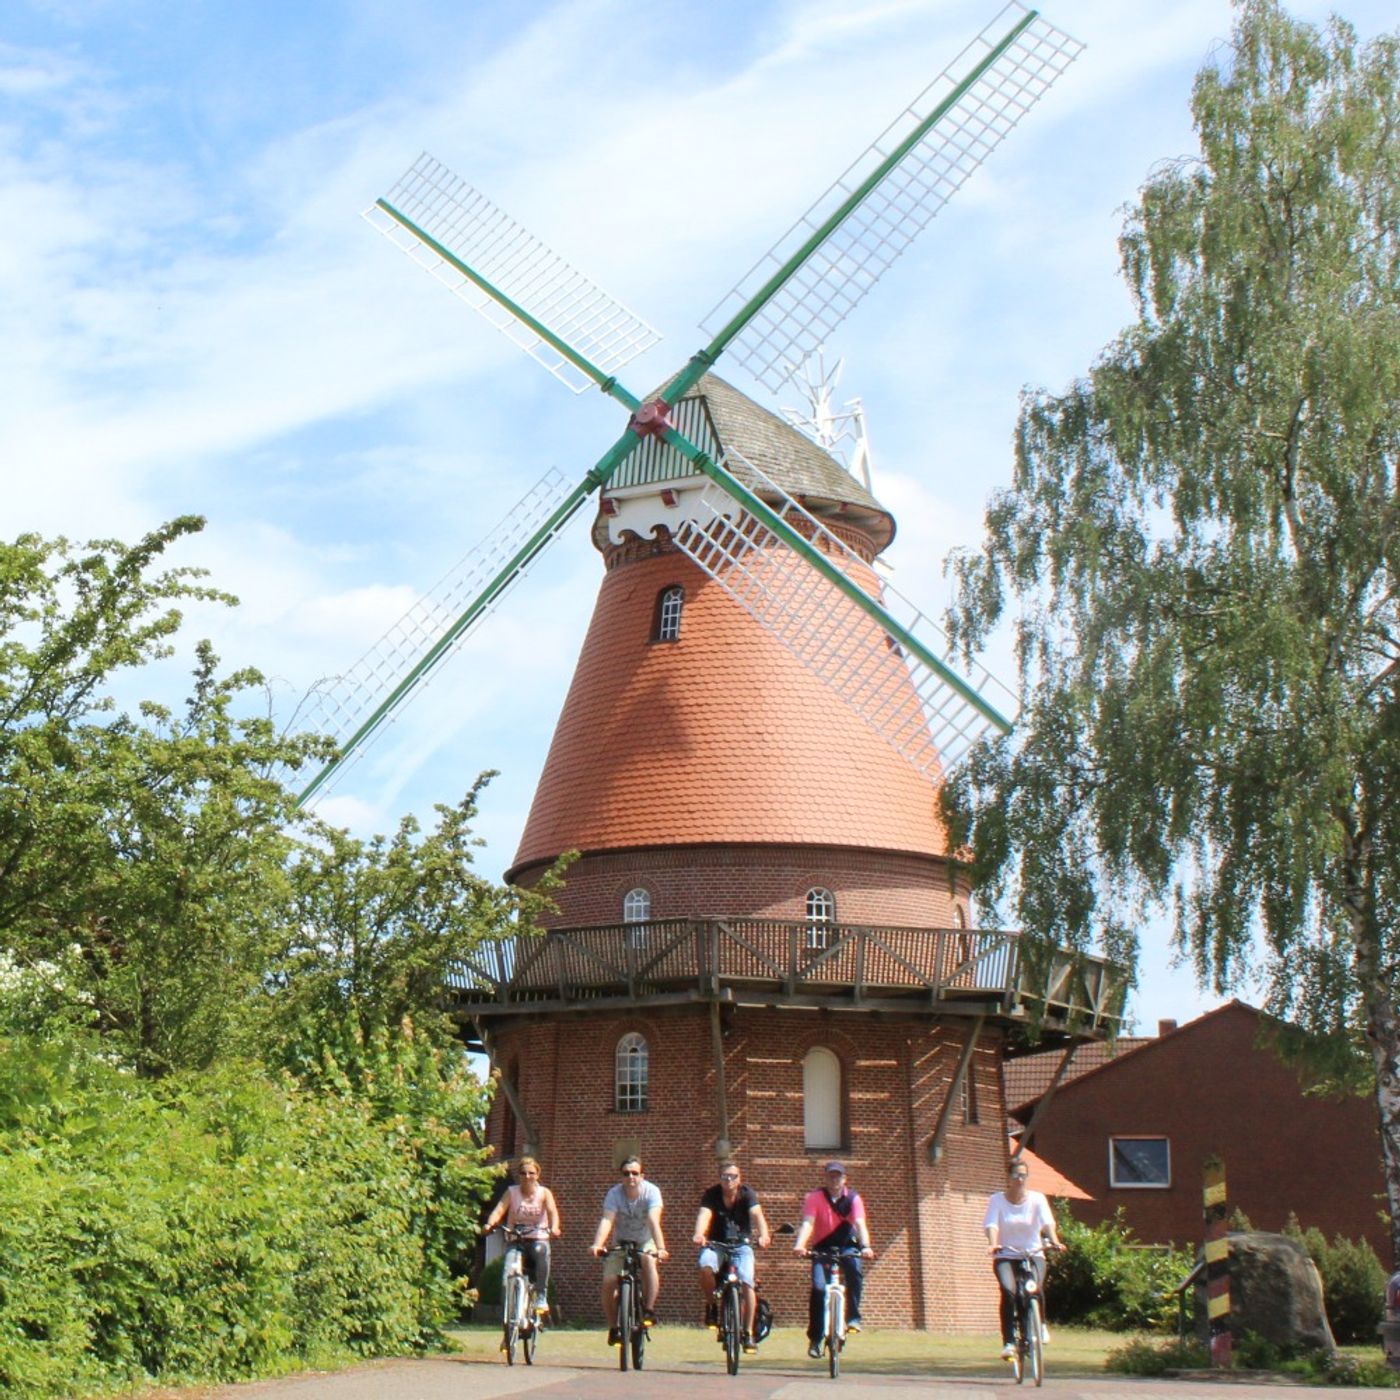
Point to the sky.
(197, 321)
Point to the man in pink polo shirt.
(833, 1217)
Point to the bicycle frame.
(729, 1296)
(519, 1297)
(1028, 1313)
(833, 1305)
(630, 1306)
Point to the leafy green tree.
(1201, 551)
(143, 850)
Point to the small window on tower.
(636, 909)
(668, 614)
(631, 1074)
(821, 914)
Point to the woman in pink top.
(529, 1208)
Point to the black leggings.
(1005, 1270)
(535, 1258)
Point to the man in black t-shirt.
(730, 1213)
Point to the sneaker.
(614, 1336)
(648, 1318)
(1008, 1351)
(815, 1351)
(853, 1325)
(1044, 1335)
(749, 1345)
(542, 1309)
(712, 1315)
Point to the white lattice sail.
(798, 319)
(908, 703)
(464, 224)
(340, 705)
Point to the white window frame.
(1117, 1185)
(668, 613)
(636, 910)
(821, 914)
(631, 1073)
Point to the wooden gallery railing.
(972, 971)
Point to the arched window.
(822, 1100)
(821, 914)
(636, 909)
(668, 614)
(630, 1077)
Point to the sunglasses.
(729, 1176)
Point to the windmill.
(777, 559)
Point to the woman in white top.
(1017, 1222)
(529, 1208)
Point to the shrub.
(1105, 1278)
(1353, 1281)
(1146, 1356)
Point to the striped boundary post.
(1217, 1261)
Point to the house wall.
(931, 1269)
(1212, 1088)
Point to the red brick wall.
(925, 1219)
(1210, 1087)
(765, 882)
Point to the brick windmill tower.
(765, 944)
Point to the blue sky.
(196, 320)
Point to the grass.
(1072, 1352)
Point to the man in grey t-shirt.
(631, 1215)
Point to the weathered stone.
(1275, 1292)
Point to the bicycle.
(1029, 1356)
(729, 1301)
(833, 1306)
(519, 1302)
(630, 1321)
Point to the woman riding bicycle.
(528, 1208)
(1017, 1222)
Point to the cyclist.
(833, 1217)
(529, 1208)
(730, 1212)
(1018, 1222)
(631, 1214)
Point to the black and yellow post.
(1217, 1261)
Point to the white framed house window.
(631, 1074)
(636, 909)
(1140, 1163)
(668, 613)
(822, 1099)
(821, 914)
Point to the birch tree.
(1201, 557)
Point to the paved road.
(448, 1379)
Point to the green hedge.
(216, 1226)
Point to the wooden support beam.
(1043, 1102)
(935, 1146)
(517, 1106)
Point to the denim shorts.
(743, 1262)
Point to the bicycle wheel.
(511, 1309)
(1035, 1356)
(639, 1345)
(733, 1329)
(626, 1289)
(835, 1331)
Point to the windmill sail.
(896, 188)
(579, 333)
(352, 706)
(908, 702)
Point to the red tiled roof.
(1028, 1076)
(1049, 1182)
(720, 737)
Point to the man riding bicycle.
(833, 1217)
(1017, 1222)
(730, 1212)
(631, 1215)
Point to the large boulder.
(1275, 1292)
